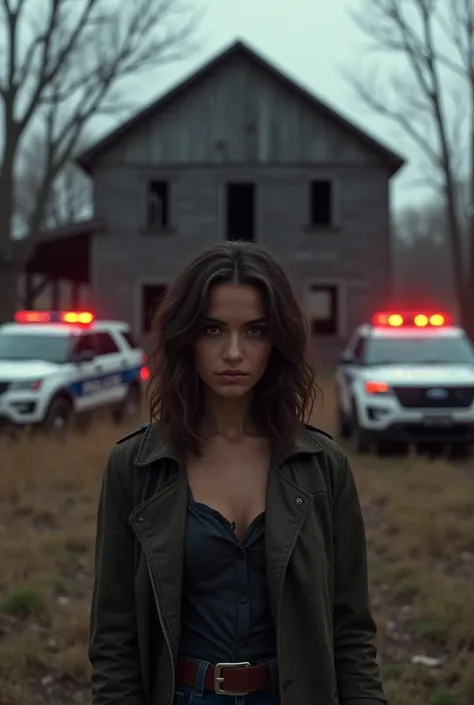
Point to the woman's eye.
(212, 330)
(255, 331)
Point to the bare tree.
(423, 275)
(431, 98)
(63, 62)
(70, 197)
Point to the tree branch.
(69, 198)
(47, 73)
(408, 29)
(76, 58)
(111, 46)
(395, 31)
(399, 116)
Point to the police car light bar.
(81, 317)
(389, 319)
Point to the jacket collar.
(154, 446)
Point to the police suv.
(407, 378)
(57, 366)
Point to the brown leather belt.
(227, 678)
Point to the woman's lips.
(232, 375)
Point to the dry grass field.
(420, 522)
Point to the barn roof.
(88, 158)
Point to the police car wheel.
(130, 408)
(359, 438)
(431, 450)
(459, 452)
(59, 414)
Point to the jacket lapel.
(160, 523)
(287, 506)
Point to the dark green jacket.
(317, 575)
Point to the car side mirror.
(347, 358)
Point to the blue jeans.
(188, 695)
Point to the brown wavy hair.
(286, 393)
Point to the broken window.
(324, 310)
(158, 205)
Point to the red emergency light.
(376, 387)
(80, 317)
(144, 370)
(404, 319)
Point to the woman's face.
(231, 354)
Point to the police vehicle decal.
(29, 385)
(100, 383)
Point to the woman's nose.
(233, 349)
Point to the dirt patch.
(420, 526)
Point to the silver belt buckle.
(219, 678)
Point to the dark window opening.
(106, 344)
(324, 310)
(158, 205)
(152, 296)
(321, 204)
(87, 342)
(359, 350)
(130, 339)
(241, 212)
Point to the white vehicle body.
(407, 384)
(89, 367)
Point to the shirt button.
(141, 519)
(241, 554)
(298, 500)
(243, 598)
(242, 643)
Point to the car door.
(85, 384)
(112, 362)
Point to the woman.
(230, 558)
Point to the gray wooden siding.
(241, 115)
(354, 255)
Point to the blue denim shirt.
(226, 613)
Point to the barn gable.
(239, 109)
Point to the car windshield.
(419, 350)
(23, 346)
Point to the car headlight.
(26, 384)
(376, 388)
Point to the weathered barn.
(239, 150)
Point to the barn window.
(324, 310)
(321, 203)
(158, 207)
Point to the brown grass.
(420, 523)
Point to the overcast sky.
(311, 40)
